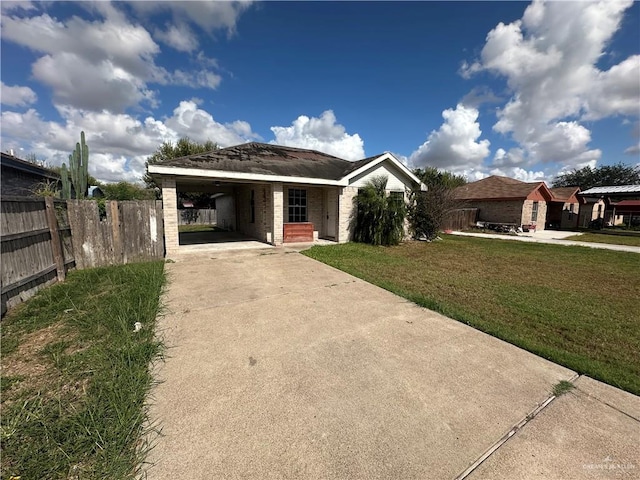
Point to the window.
(534, 212)
(252, 204)
(397, 197)
(297, 205)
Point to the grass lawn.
(633, 240)
(573, 305)
(75, 375)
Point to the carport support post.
(277, 213)
(170, 215)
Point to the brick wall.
(345, 208)
(315, 207)
(527, 209)
(259, 228)
(499, 211)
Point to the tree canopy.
(606, 175)
(431, 177)
(168, 150)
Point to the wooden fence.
(43, 238)
(195, 216)
(460, 219)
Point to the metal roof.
(612, 189)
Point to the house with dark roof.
(563, 211)
(507, 201)
(21, 178)
(277, 194)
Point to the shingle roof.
(496, 187)
(563, 193)
(267, 159)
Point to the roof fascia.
(242, 176)
(380, 159)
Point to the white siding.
(395, 178)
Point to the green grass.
(573, 305)
(75, 375)
(199, 228)
(632, 240)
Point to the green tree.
(169, 150)
(126, 191)
(379, 217)
(429, 209)
(606, 175)
(431, 176)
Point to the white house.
(276, 194)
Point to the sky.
(526, 90)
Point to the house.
(22, 179)
(564, 208)
(508, 201)
(613, 205)
(277, 194)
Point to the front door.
(330, 213)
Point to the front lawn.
(632, 240)
(573, 305)
(75, 375)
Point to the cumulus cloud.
(113, 66)
(17, 96)
(455, 146)
(119, 143)
(549, 59)
(521, 174)
(322, 134)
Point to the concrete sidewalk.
(282, 367)
(545, 239)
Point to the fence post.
(115, 229)
(56, 245)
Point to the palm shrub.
(379, 217)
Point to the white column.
(277, 213)
(345, 209)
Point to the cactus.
(66, 184)
(79, 167)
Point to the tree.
(379, 217)
(429, 209)
(606, 175)
(431, 176)
(168, 150)
(126, 191)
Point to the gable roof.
(496, 187)
(564, 193)
(268, 162)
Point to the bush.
(379, 217)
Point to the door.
(330, 213)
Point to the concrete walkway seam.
(515, 429)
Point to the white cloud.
(322, 134)
(521, 174)
(549, 59)
(17, 96)
(119, 143)
(107, 63)
(455, 145)
(209, 16)
(179, 37)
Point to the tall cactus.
(79, 167)
(66, 184)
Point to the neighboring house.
(564, 208)
(21, 178)
(507, 201)
(277, 194)
(614, 205)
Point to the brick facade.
(345, 210)
(510, 211)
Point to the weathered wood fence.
(42, 239)
(460, 219)
(195, 216)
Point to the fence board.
(195, 216)
(460, 219)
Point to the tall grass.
(76, 374)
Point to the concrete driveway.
(281, 367)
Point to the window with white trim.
(297, 205)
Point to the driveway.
(282, 367)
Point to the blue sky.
(478, 88)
